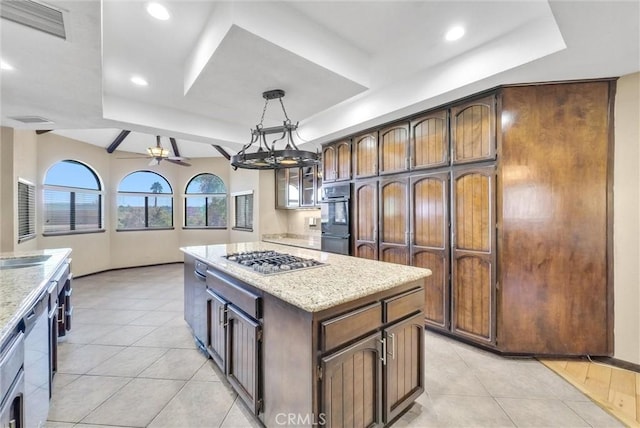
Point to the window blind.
(26, 211)
(244, 211)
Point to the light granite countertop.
(20, 288)
(310, 242)
(341, 279)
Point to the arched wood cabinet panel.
(329, 164)
(394, 221)
(365, 148)
(473, 300)
(343, 161)
(473, 130)
(336, 161)
(473, 253)
(430, 241)
(366, 220)
(430, 140)
(394, 148)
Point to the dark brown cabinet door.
(394, 221)
(429, 141)
(365, 149)
(394, 148)
(473, 253)
(556, 154)
(351, 385)
(473, 130)
(404, 368)
(366, 220)
(343, 161)
(430, 242)
(329, 163)
(217, 329)
(243, 357)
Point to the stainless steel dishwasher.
(12, 391)
(36, 363)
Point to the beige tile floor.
(130, 361)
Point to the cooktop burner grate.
(271, 262)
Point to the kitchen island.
(35, 308)
(337, 344)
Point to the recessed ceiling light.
(5, 65)
(158, 11)
(137, 80)
(454, 33)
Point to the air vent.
(30, 119)
(34, 15)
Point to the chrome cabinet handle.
(220, 315)
(393, 346)
(384, 351)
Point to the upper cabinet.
(394, 148)
(297, 187)
(473, 130)
(429, 141)
(365, 149)
(336, 161)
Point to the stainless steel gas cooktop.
(271, 262)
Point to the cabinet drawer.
(247, 301)
(403, 304)
(342, 329)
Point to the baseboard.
(618, 363)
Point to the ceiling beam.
(174, 146)
(222, 151)
(119, 139)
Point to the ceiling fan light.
(158, 152)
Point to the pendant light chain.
(284, 111)
(264, 110)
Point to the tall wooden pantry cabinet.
(506, 197)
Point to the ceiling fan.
(156, 153)
(159, 153)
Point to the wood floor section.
(616, 390)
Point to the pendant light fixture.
(266, 156)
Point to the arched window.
(145, 201)
(72, 199)
(205, 202)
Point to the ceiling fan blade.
(178, 162)
(119, 139)
(174, 146)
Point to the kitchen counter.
(342, 278)
(309, 242)
(21, 287)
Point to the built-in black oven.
(335, 237)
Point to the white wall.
(626, 220)
(298, 222)
(25, 155)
